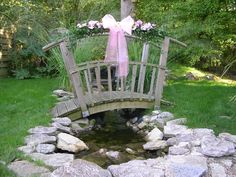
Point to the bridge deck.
(103, 101)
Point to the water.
(116, 136)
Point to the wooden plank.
(87, 82)
(161, 72)
(134, 73)
(142, 72)
(152, 82)
(74, 76)
(109, 79)
(54, 112)
(61, 109)
(89, 73)
(70, 105)
(98, 77)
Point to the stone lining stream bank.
(190, 152)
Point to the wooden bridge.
(97, 89)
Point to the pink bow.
(117, 47)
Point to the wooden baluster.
(98, 77)
(161, 72)
(142, 72)
(74, 76)
(150, 94)
(134, 73)
(109, 79)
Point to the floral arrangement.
(146, 31)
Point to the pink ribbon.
(117, 50)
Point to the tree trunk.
(127, 8)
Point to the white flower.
(146, 27)
(99, 24)
(91, 24)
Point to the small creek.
(113, 136)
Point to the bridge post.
(161, 72)
(74, 76)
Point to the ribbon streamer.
(117, 50)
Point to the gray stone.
(27, 169)
(80, 168)
(180, 121)
(70, 143)
(53, 160)
(141, 125)
(113, 155)
(61, 93)
(180, 149)
(217, 170)
(165, 115)
(155, 145)
(134, 120)
(26, 149)
(65, 121)
(45, 148)
(173, 130)
(139, 168)
(215, 147)
(130, 151)
(83, 121)
(191, 76)
(36, 139)
(61, 128)
(154, 135)
(186, 166)
(228, 137)
(43, 130)
(171, 141)
(156, 112)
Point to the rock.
(215, 147)
(142, 125)
(65, 121)
(134, 120)
(156, 112)
(61, 93)
(155, 145)
(196, 151)
(80, 168)
(26, 149)
(76, 128)
(64, 98)
(186, 166)
(180, 121)
(171, 141)
(36, 139)
(53, 160)
(27, 169)
(139, 168)
(83, 121)
(165, 115)
(180, 149)
(228, 137)
(102, 151)
(209, 77)
(113, 155)
(173, 130)
(154, 135)
(70, 143)
(45, 148)
(134, 128)
(130, 151)
(61, 128)
(43, 130)
(217, 170)
(191, 76)
(226, 162)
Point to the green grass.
(23, 104)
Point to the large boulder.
(186, 166)
(43, 130)
(80, 168)
(139, 168)
(216, 147)
(174, 130)
(27, 169)
(154, 135)
(36, 139)
(65, 121)
(53, 160)
(70, 143)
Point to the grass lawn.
(26, 103)
(23, 104)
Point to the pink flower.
(138, 23)
(146, 27)
(91, 24)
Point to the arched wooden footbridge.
(97, 89)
